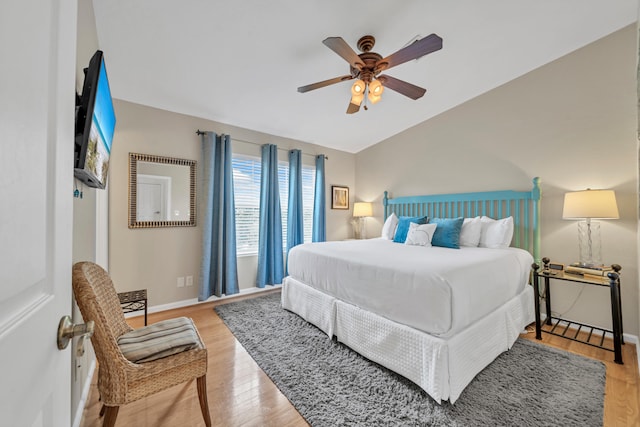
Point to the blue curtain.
(295, 222)
(219, 268)
(319, 233)
(270, 257)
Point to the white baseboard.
(85, 394)
(194, 301)
(633, 339)
(628, 338)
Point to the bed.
(434, 315)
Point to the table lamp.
(587, 205)
(361, 210)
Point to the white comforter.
(436, 290)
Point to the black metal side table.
(134, 301)
(612, 281)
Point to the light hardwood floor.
(240, 394)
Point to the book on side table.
(596, 271)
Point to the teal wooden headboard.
(524, 206)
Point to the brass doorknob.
(67, 330)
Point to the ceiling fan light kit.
(367, 66)
(375, 91)
(358, 87)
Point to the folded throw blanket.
(159, 340)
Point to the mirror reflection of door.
(153, 203)
(153, 198)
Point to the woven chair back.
(98, 301)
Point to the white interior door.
(37, 86)
(153, 198)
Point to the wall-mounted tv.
(95, 123)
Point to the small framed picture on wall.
(339, 197)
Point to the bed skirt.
(442, 367)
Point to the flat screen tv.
(95, 123)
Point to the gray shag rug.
(330, 384)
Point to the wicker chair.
(119, 380)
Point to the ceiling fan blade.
(400, 86)
(353, 108)
(415, 50)
(318, 85)
(339, 46)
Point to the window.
(246, 186)
(246, 189)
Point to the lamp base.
(589, 242)
(359, 228)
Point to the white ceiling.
(240, 61)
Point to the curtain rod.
(204, 132)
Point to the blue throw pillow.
(403, 226)
(447, 234)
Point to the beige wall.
(572, 123)
(155, 258)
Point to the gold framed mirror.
(162, 191)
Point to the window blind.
(246, 186)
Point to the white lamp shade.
(590, 204)
(375, 91)
(373, 98)
(362, 209)
(358, 88)
(376, 88)
(357, 99)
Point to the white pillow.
(420, 234)
(470, 232)
(389, 227)
(496, 234)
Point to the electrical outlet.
(181, 282)
(189, 280)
